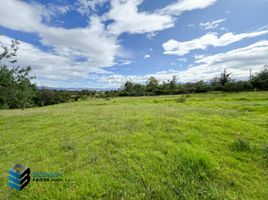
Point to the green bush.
(260, 81)
(182, 99)
(240, 144)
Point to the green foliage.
(182, 99)
(240, 144)
(221, 83)
(238, 86)
(16, 89)
(225, 78)
(151, 85)
(46, 97)
(10, 52)
(260, 81)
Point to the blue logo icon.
(19, 177)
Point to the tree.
(10, 52)
(201, 86)
(172, 86)
(260, 80)
(128, 87)
(152, 85)
(16, 89)
(225, 78)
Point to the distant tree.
(215, 84)
(128, 87)
(152, 85)
(237, 86)
(139, 89)
(173, 85)
(201, 86)
(225, 78)
(260, 80)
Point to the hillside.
(212, 146)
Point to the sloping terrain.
(212, 146)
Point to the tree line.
(18, 91)
(222, 83)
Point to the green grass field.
(213, 146)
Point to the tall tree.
(172, 85)
(225, 78)
(128, 87)
(152, 85)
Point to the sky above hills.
(103, 43)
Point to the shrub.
(182, 99)
(237, 86)
(240, 144)
(260, 81)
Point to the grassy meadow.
(212, 146)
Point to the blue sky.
(103, 43)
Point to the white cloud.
(92, 42)
(85, 7)
(59, 9)
(181, 6)
(173, 47)
(125, 62)
(46, 65)
(182, 59)
(147, 56)
(127, 18)
(211, 25)
(18, 15)
(151, 35)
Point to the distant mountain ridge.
(75, 89)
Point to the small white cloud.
(197, 57)
(182, 59)
(211, 25)
(59, 10)
(147, 56)
(177, 8)
(125, 62)
(85, 7)
(191, 25)
(151, 35)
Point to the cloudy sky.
(103, 43)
